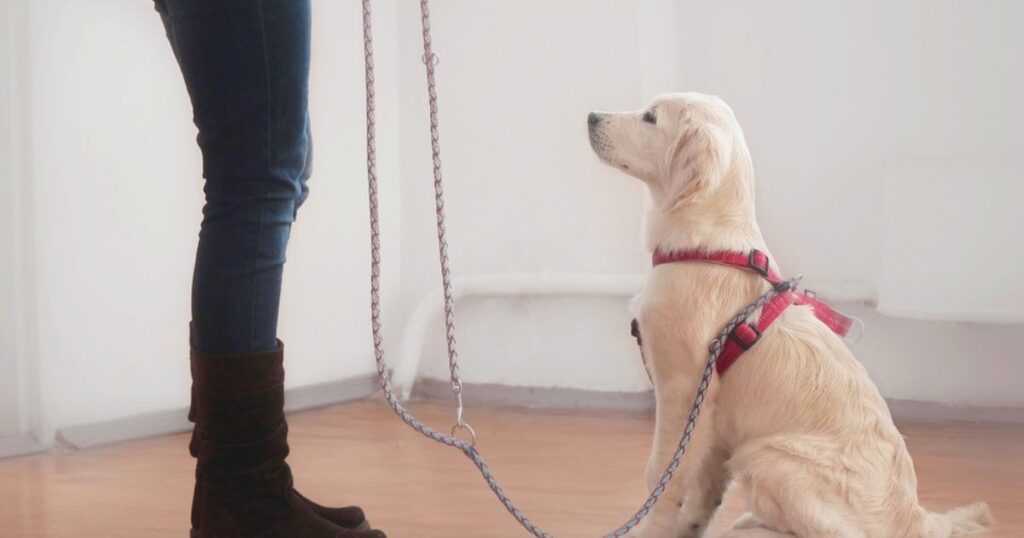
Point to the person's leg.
(245, 65)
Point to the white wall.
(118, 198)
(525, 194)
(9, 367)
(829, 94)
(19, 394)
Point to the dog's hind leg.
(792, 495)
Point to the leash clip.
(460, 422)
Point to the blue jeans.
(246, 68)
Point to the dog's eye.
(649, 117)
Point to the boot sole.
(364, 526)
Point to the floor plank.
(575, 474)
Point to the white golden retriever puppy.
(796, 419)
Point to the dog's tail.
(969, 519)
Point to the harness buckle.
(745, 335)
(759, 262)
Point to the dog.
(796, 419)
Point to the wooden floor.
(574, 474)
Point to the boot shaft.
(239, 414)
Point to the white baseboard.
(20, 445)
(176, 420)
(535, 397)
(943, 412)
(566, 398)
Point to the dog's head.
(685, 147)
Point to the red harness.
(745, 335)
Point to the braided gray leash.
(469, 449)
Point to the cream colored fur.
(796, 419)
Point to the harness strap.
(754, 260)
(835, 320)
(746, 334)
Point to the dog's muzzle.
(598, 141)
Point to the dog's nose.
(593, 119)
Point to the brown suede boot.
(348, 517)
(243, 485)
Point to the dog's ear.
(697, 161)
